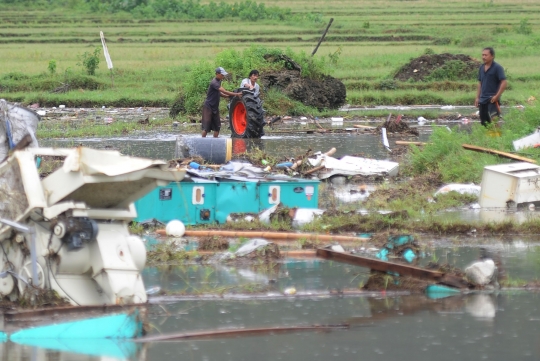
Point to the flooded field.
(294, 292)
(494, 325)
(162, 145)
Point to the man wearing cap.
(210, 116)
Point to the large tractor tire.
(246, 116)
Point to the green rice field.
(368, 42)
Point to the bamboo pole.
(497, 152)
(269, 235)
(313, 170)
(364, 126)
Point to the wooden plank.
(378, 265)
(497, 152)
(364, 127)
(403, 142)
(236, 332)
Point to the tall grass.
(445, 154)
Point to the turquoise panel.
(301, 194)
(119, 326)
(236, 197)
(219, 199)
(176, 201)
(3, 336)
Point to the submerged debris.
(213, 243)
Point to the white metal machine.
(78, 217)
(69, 231)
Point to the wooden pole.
(269, 235)
(497, 152)
(322, 37)
(313, 170)
(112, 78)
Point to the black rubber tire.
(254, 116)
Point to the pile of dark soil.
(439, 67)
(327, 92)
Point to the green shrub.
(52, 67)
(453, 70)
(238, 65)
(90, 61)
(524, 27)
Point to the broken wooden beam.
(498, 152)
(378, 265)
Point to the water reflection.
(388, 328)
(77, 350)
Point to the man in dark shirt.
(210, 116)
(492, 83)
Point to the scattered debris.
(350, 166)
(481, 273)
(530, 141)
(260, 249)
(460, 188)
(213, 243)
(509, 185)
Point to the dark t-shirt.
(490, 81)
(213, 95)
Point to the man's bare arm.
(502, 87)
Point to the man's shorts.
(488, 111)
(210, 120)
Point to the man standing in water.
(210, 115)
(492, 83)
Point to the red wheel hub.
(239, 119)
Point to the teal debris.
(440, 291)
(409, 255)
(117, 349)
(397, 241)
(118, 326)
(399, 246)
(383, 254)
